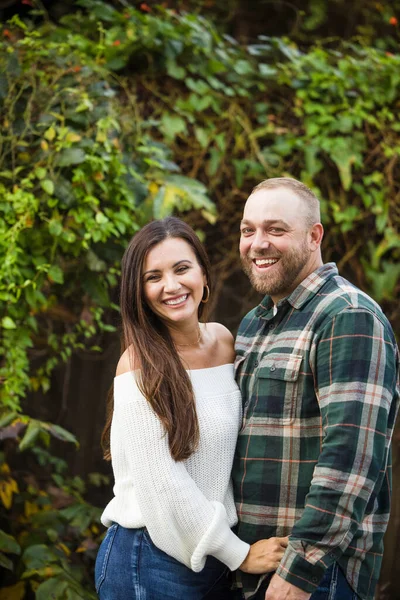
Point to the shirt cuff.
(298, 571)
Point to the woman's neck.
(184, 335)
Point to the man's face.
(275, 246)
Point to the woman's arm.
(179, 518)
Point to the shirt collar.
(303, 293)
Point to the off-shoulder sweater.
(186, 506)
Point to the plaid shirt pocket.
(276, 387)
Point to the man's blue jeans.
(130, 566)
(333, 586)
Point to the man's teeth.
(265, 261)
(177, 300)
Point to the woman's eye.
(152, 278)
(182, 269)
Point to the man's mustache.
(263, 254)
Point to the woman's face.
(173, 281)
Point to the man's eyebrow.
(268, 222)
(184, 260)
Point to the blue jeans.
(130, 567)
(333, 586)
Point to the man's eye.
(246, 230)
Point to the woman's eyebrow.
(184, 260)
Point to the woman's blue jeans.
(130, 567)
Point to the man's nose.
(260, 241)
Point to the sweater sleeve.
(181, 521)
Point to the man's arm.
(355, 361)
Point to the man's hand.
(279, 589)
(264, 556)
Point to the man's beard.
(280, 281)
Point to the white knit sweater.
(186, 506)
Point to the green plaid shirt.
(320, 386)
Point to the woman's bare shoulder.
(223, 342)
(126, 362)
(221, 332)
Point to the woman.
(174, 425)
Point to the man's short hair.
(310, 200)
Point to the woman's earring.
(206, 299)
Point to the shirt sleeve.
(181, 521)
(355, 364)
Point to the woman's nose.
(171, 283)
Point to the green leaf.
(78, 515)
(175, 70)
(34, 297)
(40, 172)
(56, 274)
(52, 589)
(9, 544)
(50, 134)
(61, 434)
(8, 418)
(215, 159)
(209, 216)
(267, 70)
(243, 67)
(55, 227)
(39, 556)
(385, 281)
(202, 136)
(5, 562)
(158, 204)
(70, 156)
(171, 125)
(31, 433)
(8, 323)
(345, 152)
(47, 186)
(101, 218)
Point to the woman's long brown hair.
(163, 379)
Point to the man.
(318, 367)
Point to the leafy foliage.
(58, 532)
(79, 174)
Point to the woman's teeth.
(176, 300)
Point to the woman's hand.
(264, 556)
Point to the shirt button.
(314, 579)
(271, 326)
(273, 368)
(256, 363)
